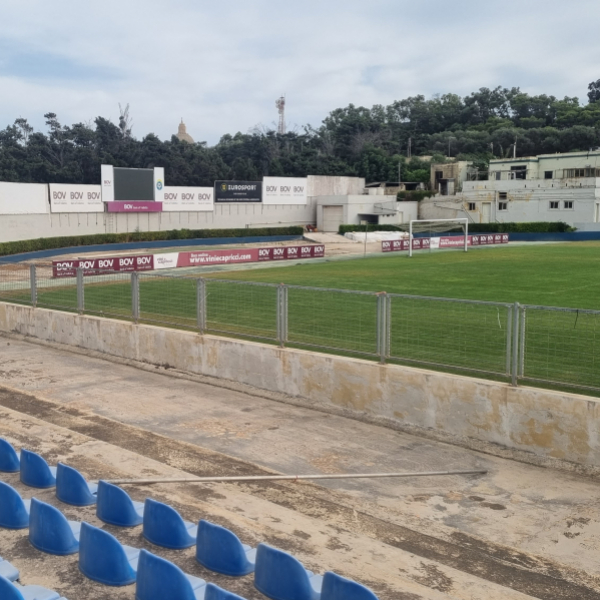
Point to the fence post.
(201, 304)
(509, 330)
(382, 326)
(33, 285)
(282, 314)
(135, 296)
(522, 342)
(80, 291)
(515, 344)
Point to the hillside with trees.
(366, 142)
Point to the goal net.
(456, 233)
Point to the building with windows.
(549, 187)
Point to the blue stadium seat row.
(278, 575)
(14, 591)
(71, 487)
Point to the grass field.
(560, 346)
(546, 274)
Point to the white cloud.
(221, 66)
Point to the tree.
(594, 91)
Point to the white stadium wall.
(23, 198)
(31, 211)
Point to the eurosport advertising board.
(238, 191)
(191, 199)
(453, 241)
(66, 198)
(285, 190)
(174, 260)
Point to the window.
(502, 205)
(472, 206)
(548, 174)
(568, 204)
(502, 195)
(570, 173)
(498, 175)
(554, 204)
(520, 172)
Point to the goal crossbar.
(464, 222)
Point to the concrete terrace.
(519, 532)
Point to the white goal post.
(437, 225)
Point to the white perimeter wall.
(25, 212)
(234, 216)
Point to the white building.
(549, 187)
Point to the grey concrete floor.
(520, 531)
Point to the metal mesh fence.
(108, 295)
(167, 300)
(241, 308)
(15, 283)
(452, 333)
(332, 319)
(560, 345)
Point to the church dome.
(183, 135)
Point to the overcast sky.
(221, 65)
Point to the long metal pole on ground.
(293, 477)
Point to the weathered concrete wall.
(33, 226)
(541, 425)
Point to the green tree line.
(374, 143)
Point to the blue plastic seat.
(159, 579)
(9, 459)
(220, 550)
(14, 591)
(280, 576)
(164, 526)
(8, 571)
(103, 558)
(214, 592)
(336, 587)
(114, 506)
(49, 530)
(35, 471)
(72, 488)
(14, 511)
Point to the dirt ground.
(518, 532)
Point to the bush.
(417, 195)
(526, 227)
(371, 227)
(8, 248)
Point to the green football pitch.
(560, 346)
(546, 274)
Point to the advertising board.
(98, 266)
(284, 190)
(238, 191)
(174, 260)
(128, 207)
(451, 241)
(67, 198)
(192, 199)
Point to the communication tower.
(280, 104)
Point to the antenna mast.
(280, 104)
